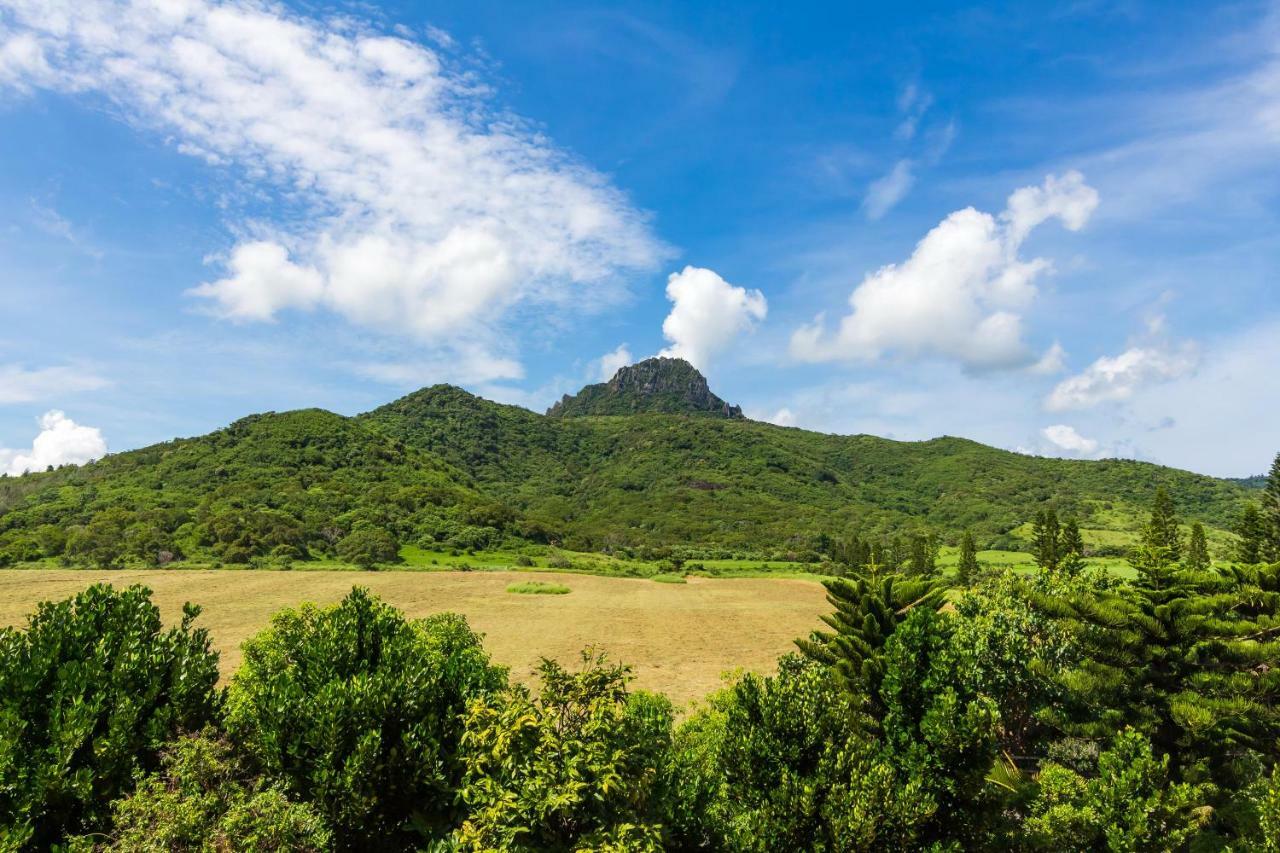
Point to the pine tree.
(1250, 548)
(967, 568)
(1197, 559)
(1070, 548)
(1161, 532)
(866, 613)
(1045, 535)
(923, 561)
(1271, 513)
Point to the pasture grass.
(538, 588)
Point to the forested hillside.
(443, 466)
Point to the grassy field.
(680, 638)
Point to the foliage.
(359, 711)
(1131, 804)
(1197, 559)
(366, 547)
(784, 763)
(576, 767)
(867, 611)
(967, 566)
(538, 588)
(203, 798)
(89, 693)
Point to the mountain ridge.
(657, 385)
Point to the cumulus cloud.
(1053, 361)
(887, 191)
(1117, 378)
(962, 293)
(611, 362)
(424, 208)
(1066, 438)
(22, 385)
(61, 441)
(707, 314)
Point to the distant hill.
(442, 466)
(668, 386)
(1255, 483)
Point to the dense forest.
(1065, 710)
(445, 469)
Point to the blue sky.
(1046, 227)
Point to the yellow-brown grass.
(679, 638)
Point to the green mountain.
(444, 467)
(657, 385)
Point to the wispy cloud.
(20, 384)
(430, 210)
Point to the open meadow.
(679, 638)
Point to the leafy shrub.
(366, 547)
(89, 693)
(523, 560)
(203, 798)
(575, 768)
(359, 711)
(538, 588)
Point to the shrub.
(538, 588)
(204, 799)
(88, 695)
(523, 560)
(575, 768)
(359, 711)
(366, 547)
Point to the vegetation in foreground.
(1063, 710)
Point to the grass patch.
(668, 577)
(538, 588)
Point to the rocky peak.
(663, 385)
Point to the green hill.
(443, 468)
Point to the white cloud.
(422, 207)
(611, 362)
(1117, 378)
(962, 292)
(1053, 361)
(707, 315)
(20, 385)
(783, 417)
(465, 365)
(61, 442)
(1066, 438)
(887, 191)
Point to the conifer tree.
(1161, 532)
(1070, 548)
(867, 611)
(923, 561)
(1045, 535)
(967, 568)
(1250, 529)
(1271, 513)
(1197, 559)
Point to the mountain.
(441, 466)
(669, 386)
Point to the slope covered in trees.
(443, 466)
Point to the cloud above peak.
(707, 315)
(963, 292)
(424, 208)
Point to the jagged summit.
(662, 385)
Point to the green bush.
(538, 588)
(367, 547)
(359, 711)
(89, 693)
(577, 767)
(203, 798)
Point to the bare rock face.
(661, 385)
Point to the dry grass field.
(679, 638)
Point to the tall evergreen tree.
(1252, 533)
(1271, 513)
(923, 561)
(1197, 549)
(1070, 548)
(866, 613)
(1045, 537)
(967, 568)
(1161, 533)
